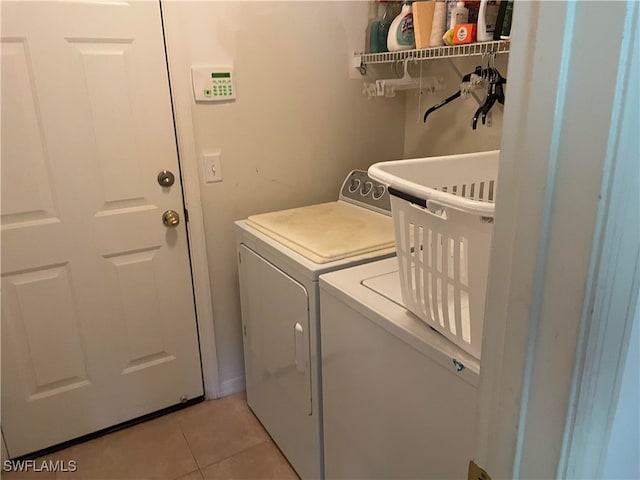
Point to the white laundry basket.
(442, 210)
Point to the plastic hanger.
(495, 93)
(467, 78)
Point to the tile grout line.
(233, 455)
(186, 440)
(222, 459)
(195, 460)
(268, 439)
(189, 473)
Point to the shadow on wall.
(448, 130)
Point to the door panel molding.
(27, 188)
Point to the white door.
(98, 323)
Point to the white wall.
(448, 130)
(298, 126)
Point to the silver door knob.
(170, 218)
(165, 178)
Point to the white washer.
(280, 258)
(399, 399)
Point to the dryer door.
(275, 317)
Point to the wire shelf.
(499, 46)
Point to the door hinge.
(477, 473)
(239, 257)
(244, 330)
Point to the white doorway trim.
(181, 100)
(562, 175)
(613, 294)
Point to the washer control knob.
(378, 192)
(366, 189)
(354, 185)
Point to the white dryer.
(399, 399)
(280, 258)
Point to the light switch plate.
(213, 83)
(212, 163)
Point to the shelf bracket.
(358, 64)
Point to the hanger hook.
(490, 65)
(483, 69)
(396, 67)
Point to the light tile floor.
(216, 439)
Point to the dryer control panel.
(362, 190)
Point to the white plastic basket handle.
(431, 207)
(434, 209)
(437, 209)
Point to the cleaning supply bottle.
(401, 35)
(395, 7)
(487, 16)
(380, 28)
(439, 25)
(459, 15)
(482, 34)
(373, 10)
(451, 4)
(505, 34)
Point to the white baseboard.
(231, 386)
